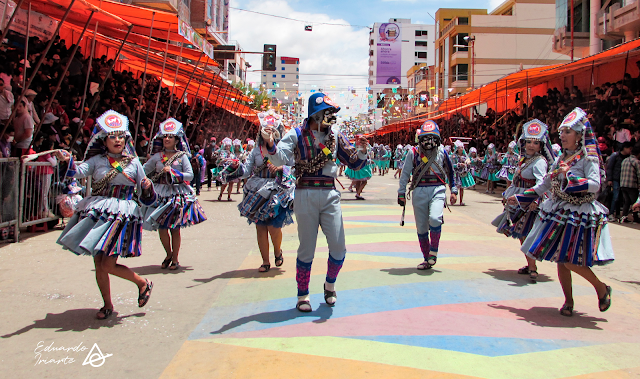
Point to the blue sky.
(340, 52)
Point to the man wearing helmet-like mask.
(430, 166)
(315, 146)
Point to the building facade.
(514, 36)
(421, 79)
(395, 47)
(283, 82)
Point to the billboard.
(389, 52)
(42, 26)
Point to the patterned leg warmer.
(303, 275)
(333, 268)
(435, 243)
(425, 246)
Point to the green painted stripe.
(549, 364)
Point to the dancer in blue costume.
(491, 168)
(461, 166)
(269, 192)
(509, 163)
(428, 166)
(572, 228)
(108, 224)
(536, 155)
(314, 146)
(177, 206)
(359, 178)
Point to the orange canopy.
(514, 83)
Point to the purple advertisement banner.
(389, 46)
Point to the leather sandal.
(279, 260)
(143, 297)
(174, 266)
(605, 302)
(301, 303)
(533, 275)
(523, 270)
(424, 266)
(265, 268)
(165, 263)
(330, 297)
(106, 313)
(566, 310)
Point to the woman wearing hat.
(359, 178)
(108, 224)
(491, 168)
(509, 163)
(177, 206)
(268, 193)
(572, 228)
(536, 154)
(461, 163)
(239, 152)
(228, 168)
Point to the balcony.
(459, 55)
(613, 23)
(460, 84)
(163, 5)
(562, 41)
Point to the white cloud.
(326, 50)
(493, 4)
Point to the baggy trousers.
(318, 208)
(428, 208)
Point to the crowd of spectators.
(614, 112)
(62, 120)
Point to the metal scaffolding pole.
(144, 80)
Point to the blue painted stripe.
(281, 312)
(487, 346)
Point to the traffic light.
(269, 58)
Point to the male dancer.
(315, 146)
(430, 166)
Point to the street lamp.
(472, 41)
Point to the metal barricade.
(9, 175)
(39, 185)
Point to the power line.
(294, 19)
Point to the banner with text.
(42, 26)
(389, 49)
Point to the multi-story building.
(617, 22)
(284, 81)
(394, 47)
(421, 84)
(514, 36)
(234, 69)
(210, 18)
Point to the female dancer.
(239, 152)
(572, 229)
(268, 194)
(509, 163)
(108, 224)
(491, 168)
(177, 206)
(227, 165)
(398, 156)
(360, 177)
(537, 153)
(476, 164)
(461, 164)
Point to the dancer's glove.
(401, 200)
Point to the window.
(265, 75)
(274, 76)
(297, 77)
(264, 83)
(459, 40)
(274, 84)
(370, 53)
(421, 54)
(421, 43)
(297, 68)
(463, 20)
(283, 69)
(283, 61)
(420, 33)
(462, 72)
(283, 76)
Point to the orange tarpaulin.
(515, 83)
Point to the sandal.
(523, 270)
(165, 263)
(174, 266)
(301, 303)
(431, 260)
(605, 302)
(265, 268)
(144, 296)
(424, 266)
(358, 197)
(229, 198)
(533, 275)
(106, 312)
(220, 198)
(279, 260)
(566, 310)
(330, 297)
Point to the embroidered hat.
(459, 144)
(512, 144)
(536, 130)
(429, 127)
(578, 121)
(273, 120)
(110, 122)
(319, 102)
(473, 150)
(171, 127)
